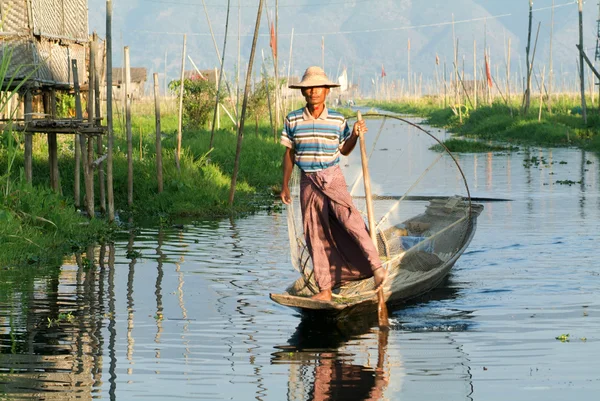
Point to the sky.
(359, 35)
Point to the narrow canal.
(184, 313)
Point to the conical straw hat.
(314, 76)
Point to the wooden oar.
(382, 312)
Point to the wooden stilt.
(85, 147)
(28, 138)
(109, 116)
(98, 120)
(50, 111)
(180, 120)
(159, 175)
(128, 128)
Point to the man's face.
(316, 95)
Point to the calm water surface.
(184, 313)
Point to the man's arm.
(350, 143)
(288, 166)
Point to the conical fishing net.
(423, 214)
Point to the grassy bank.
(562, 125)
(39, 226)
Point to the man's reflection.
(334, 376)
(336, 379)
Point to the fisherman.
(336, 234)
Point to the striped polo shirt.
(316, 141)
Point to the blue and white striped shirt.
(316, 141)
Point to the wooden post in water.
(91, 106)
(109, 116)
(528, 64)
(53, 145)
(180, 120)
(551, 69)
(98, 121)
(128, 128)
(28, 110)
(88, 179)
(541, 94)
(474, 74)
(581, 66)
(240, 135)
(159, 174)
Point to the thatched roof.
(138, 75)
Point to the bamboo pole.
(474, 74)
(239, 61)
(323, 52)
(28, 156)
(91, 106)
(159, 168)
(180, 115)
(581, 66)
(408, 66)
(53, 146)
(542, 94)
(551, 69)
(382, 312)
(165, 83)
(240, 133)
(128, 127)
(77, 172)
(290, 61)
(83, 143)
(276, 62)
(109, 116)
(528, 64)
(508, 76)
(216, 111)
(266, 81)
(98, 119)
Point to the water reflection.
(352, 360)
(53, 348)
(320, 372)
(175, 313)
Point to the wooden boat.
(439, 237)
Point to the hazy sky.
(359, 34)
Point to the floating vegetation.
(568, 182)
(564, 338)
(468, 146)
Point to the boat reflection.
(335, 360)
(319, 371)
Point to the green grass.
(38, 227)
(561, 126)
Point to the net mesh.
(421, 203)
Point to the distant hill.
(361, 35)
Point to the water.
(184, 313)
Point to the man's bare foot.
(324, 295)
(379, 276)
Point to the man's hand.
(285, 195)
(360, 127)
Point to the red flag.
(383, 74)
(488, 72)
(273, 41)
